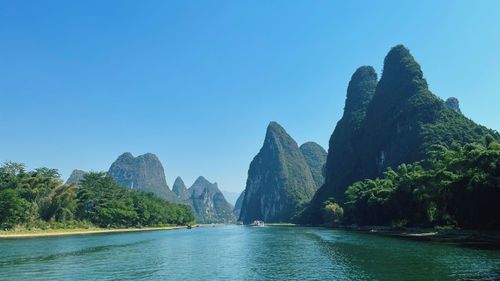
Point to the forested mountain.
(279, 180)
(315, 157)
(144, 172)
(385, 124)
(342, 152)
(399, 155)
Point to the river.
(242, 253)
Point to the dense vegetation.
(341, 166)
(38, 199)
(457, 187)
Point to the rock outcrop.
(144, 172)
(76, 177)
(453, 104)
(279, 180)
(180, 189)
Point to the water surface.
(242, 253)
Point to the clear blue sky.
(197, 82)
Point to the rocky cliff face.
(144, 172)
(180, 189)
(279, 180)
(238, 204)
(315, 157)
(453, 104)
(342, 145)
(388, 123)
(209, 203)
(76, 177)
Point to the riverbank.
(486, 239)
(474, 238)
(83, 231)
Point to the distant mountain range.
(207, 201)
(385, 123)
(146, 173)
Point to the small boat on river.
(257, 223)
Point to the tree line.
(38, 199)
(453, 187)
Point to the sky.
(197, 82)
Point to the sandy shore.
(66, 232)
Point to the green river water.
(242, 253)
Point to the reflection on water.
(55, 256)
(242, 253)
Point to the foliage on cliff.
(315, 157)
(279, 180)
(457, 186)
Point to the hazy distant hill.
(230, 196)
(238, 204)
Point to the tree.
(332, 212)
(60, 204)
(13, 209)
(457, 186)
(35, 197)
